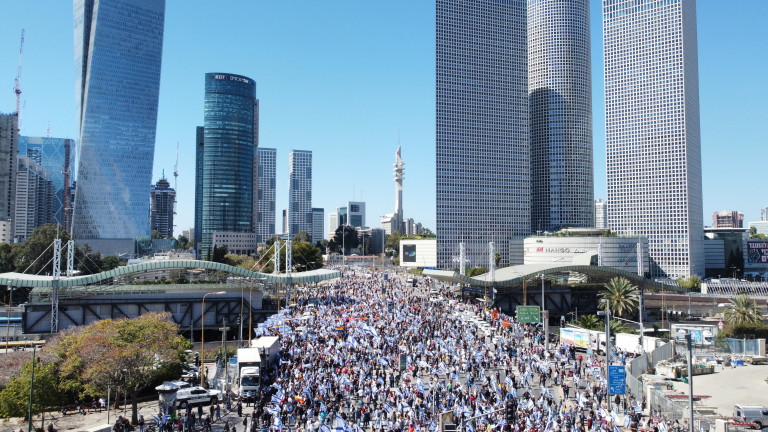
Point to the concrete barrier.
(102, 428)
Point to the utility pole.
(690, 377)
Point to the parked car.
(757, 414)
(196, 396)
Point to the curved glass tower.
(118, 50)
(228, 156)
(560, 103)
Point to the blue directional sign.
(617, 378)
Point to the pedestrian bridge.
(46, 281)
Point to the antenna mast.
(17, 81)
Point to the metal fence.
(642, 363)
(745, 347)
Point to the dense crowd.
(370, 352)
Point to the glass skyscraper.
(228, 156)
(118, 51)
(267, 169)
(57, 156)
(483, 142)
(652, 130)
(300, 192)
(560, 92)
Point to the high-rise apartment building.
(163, 200)
(118, 51)
(57, 157)
(267, 173)
(300, 192)
(35, 202)
(652, 130)
(728, 219)
(764, 214)
(199, 154)
(560, 106)
(601, 214)
(9, 146)
(483, 142)
(318, 228)
(228, 160)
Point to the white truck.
(248, 376)
(583, 339)
(701, 334)
(269, 349)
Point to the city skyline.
(347, 109)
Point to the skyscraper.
(391, 222)
(199, 154)
(560, 98)
(652, 130)
(34, 198)
(57, 157)
(483, 141)
(267, 163)
(118, 51)
(300, 192)
(163, 199)
(9, 146)
(601, 214)
(228, 158)
(318, 228)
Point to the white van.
(756, 414)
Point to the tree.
(622, 295)
(306, 256)
(345, 236)
(35, 255)
(14, 399)
(302, 236)
(184, 243)
(130, 354)
(7, 257)
(218, 254)
(155, 234)
(476, 271)
(497, 258)
(392, 244)
(691, 283)
(590, 322)
(110, 262)
(743, 310)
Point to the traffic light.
(509, 412)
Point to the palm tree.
(743, 310)
(622, 295)
(590, 322)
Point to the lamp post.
(202, 337)
(8, 321)
(690, 376)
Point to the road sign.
(617, 379)
(528, 314)
(595, 371)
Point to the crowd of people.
(372, 353)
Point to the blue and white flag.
(273, 410)
(388, 408)
(627, 421)
(276, 399)
(325, 428)
(277, 422)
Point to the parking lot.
(730, 386)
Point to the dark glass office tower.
(228, 156)
(560, 91)
(483, 144)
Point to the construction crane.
(176, 177)
(17, 81)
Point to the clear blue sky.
(341, 78)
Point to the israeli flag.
(469, 427)
(325, 428)
(383, 361)
(420, 385)
(388, 408)
(273, 411)
(662, 427)
(277, 422)
(627, 421)
(467, 412)
(276, 399)
(614, 417)
(508, 380)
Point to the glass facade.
(267, 169)
(560, 98)
(57, 156)
(199, 153)
(652, 131)
(300, 192)
(483, 142)
(228, 156)
(118, 51)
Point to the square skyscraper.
(652, 130)
(483, 143)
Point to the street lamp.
(202, 337)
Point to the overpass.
(59, 303)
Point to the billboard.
(757, 252)
(409, 253)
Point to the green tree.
(35, 255)
(14, 399)
(129, 354)
(392, 244)
(743, 310)
(155, 234)
(497, 258)
(691, 283)
(7, 257)
(345, 236)
(110, 262)
(302, 236)
(622, 295)
(218, 254)
(476, 271)
(184, 243)
(306, 256)
(590, 322)
(87, 261)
